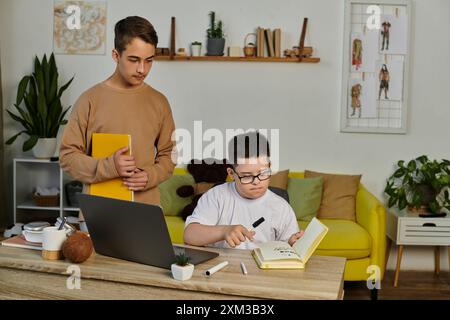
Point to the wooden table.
(25, 275)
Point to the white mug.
(52, 241)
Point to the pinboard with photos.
(375, 66)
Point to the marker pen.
(216, 268)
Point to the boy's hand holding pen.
(237, 234)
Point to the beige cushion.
(280, 180)
(339, 195)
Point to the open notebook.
(105, 145)
(280, 255)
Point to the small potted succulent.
(196, 49)
(182, 270)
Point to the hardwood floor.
(412, 285)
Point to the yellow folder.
(105, 145)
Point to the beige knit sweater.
(143, 112)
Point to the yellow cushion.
(175, 224)
(344, 239)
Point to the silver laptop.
(133, 231)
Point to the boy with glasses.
(225, 213)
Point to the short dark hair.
(133, 27)
(247, 145)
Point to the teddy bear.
(207, 173)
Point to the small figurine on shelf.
(306, 52)
(181, 52)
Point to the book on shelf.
(277, 42)
(269, 43)
(280, 255)
(260, 42)
(105, 145)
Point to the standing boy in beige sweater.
(124, 104)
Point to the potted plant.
(43, 113)
(216, 41)
(182, 269)
(196, 49)
(421, 185)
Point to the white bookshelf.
(30, 173)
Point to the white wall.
(302, 100)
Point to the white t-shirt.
(223, 205)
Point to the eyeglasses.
(250, 178)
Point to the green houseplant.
(216, 41)
(43, 113)
(182, 269)
(420, 184)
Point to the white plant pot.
(182, 273)
(45, 148)
(196, 50)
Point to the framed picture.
(375, 66)
(79, 27)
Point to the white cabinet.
(423, 231)
(408, 229)
(405, 228)
(30, 173)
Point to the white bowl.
(33, 236)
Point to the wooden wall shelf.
(240, 59)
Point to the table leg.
(388, 252)
(399, 261)
(437, 260)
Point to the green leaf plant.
(215, 30)
(38, 103)
(420, 182)
(182, 260)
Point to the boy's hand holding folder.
(124, 162)
(137, 181)
(134, 178)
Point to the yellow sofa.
(362, 242)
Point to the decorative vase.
(45, 148)
(196, 50)
(182, 273)
(215, 46)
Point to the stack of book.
(268, 42)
